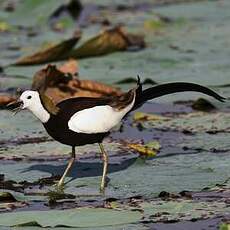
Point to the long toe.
(60, 184)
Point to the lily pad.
(182, 210)
(82, 217)
(224, 226)
(37, 11)
(196, 122)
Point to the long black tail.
(168, 88)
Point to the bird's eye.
(29, 97)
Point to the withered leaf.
(59, 85)
(202, 104)
(112, 40)
(140, 116)
(97, 87)
(150, 149)
(6, 99)
(70, 66)
(6, 197)
(49, 77)
(54, 53)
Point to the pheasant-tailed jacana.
(84, 120)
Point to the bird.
(86, 120)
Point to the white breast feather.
(98, 119)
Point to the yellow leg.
(105, 167)
(69, 166)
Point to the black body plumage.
(57, 126)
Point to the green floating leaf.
(182, 210)
(4, 26)
(196, 122)
(37, 11)
(153, 25)
(81, 217)
(224, 226)
(11, 196)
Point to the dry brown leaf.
(140, 116)
(59, 85)
(70, 66)
(54, 53)
(6, 197)
(49, 77)
(202, 104)
(97, 87)
(150, 149)
(9, 206)
(6, 99)
(109, 41)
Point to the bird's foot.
(59, 187)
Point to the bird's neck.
(40, 112)
(44, 109)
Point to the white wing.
(98, 119)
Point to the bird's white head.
(31, 100)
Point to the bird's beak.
(15, 106)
